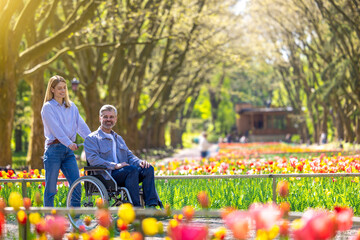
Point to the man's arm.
(93, 154)
(134, 160)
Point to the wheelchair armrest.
(94, 168)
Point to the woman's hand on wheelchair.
(144, 164)
(121, 165)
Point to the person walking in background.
(204, 145)
(62, 122)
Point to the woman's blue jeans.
(56, 157)
(130, 176)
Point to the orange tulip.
(27, 203)
(203, 199)
(283, 188)
(188, 212)
(104, 217)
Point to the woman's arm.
(82, 127)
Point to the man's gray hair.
(107, 108)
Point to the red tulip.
(344, 217)
(2, 223)
(40, 227)
(319, 224)
(284, 226)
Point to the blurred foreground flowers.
(261, 221)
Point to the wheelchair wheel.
(86, 190)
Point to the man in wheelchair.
(106, 148)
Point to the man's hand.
(144, 164)
(73, 146)
(121, 165)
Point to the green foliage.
(202, 108)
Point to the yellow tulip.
(99, 232)
(36, 172)
(15, 200)
(125, 235)
(126, 213)
(34, 218)
(150, 226)
(356, 179)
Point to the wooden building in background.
(263, 124)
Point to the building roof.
(262, 110)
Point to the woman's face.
(59, 90)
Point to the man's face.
(108, 119)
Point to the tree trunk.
(37, 139)
(18, 138)
(357, 130)
(7, 111)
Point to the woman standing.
(62, 122)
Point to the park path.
(190, 153)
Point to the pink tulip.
(265, 215)
(189, 232)
(239, 223)
(344, 217)
(56, 226)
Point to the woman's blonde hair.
(53, 81)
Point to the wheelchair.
(95, 186)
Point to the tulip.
(2, 223)
(203, 199)
(284, 226)
(34, 218)
(56, 226)
(220, 233)
(188, 212)
(40, 227)
(27, 203)
(38, 199)
(150, 226)
(265, 215)
(100, 233)
(122, 226)
(344, 217)
(2, 205)
(15, 200)
(283, 188)
(284, 208)
(160, 228)
(126, 212)
(87, 220)
(239, 223)
(136, 236)
(189, 232)
(21, 217)
(226, 211)
(103, 217)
